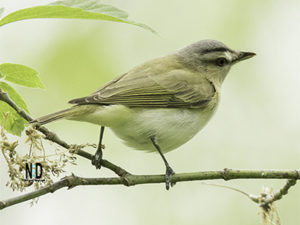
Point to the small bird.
(160, 104)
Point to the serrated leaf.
(20, 74)
(14, 123)
(73, 9)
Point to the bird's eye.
(221, 61)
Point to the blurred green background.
(256, 126)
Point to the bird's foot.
(96, 160)
(169, 173)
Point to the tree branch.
(130, 180)
(54, 138)
(127, 179)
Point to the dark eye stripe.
(213, 61)
(222, 61)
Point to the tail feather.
(56, 116)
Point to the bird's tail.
(66, 113)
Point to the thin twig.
(279, 194)
(73, 181)
(264, 199)
(5, 98)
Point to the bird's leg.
(169, 170)
(96, 161)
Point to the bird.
(161, 104)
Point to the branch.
(54, 138)
(267, 200)
(127, 179)
(130, 180)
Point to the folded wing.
(152, 85)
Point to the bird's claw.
(169, 173)
(96, 160)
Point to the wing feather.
(151, 86)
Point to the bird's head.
(211, 58)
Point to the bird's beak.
(244, 55)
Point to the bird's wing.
(150, 86)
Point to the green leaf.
(13, 94)
(1, 11)
(14, 123)
(73, 9)
(20, 74)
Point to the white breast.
(171, 127)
